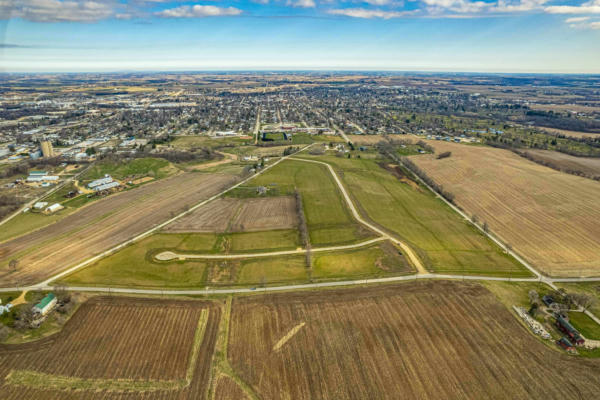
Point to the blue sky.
(429, 35)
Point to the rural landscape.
(296, 235)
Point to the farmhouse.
(548, 300)
(45, 305)
(569, 330)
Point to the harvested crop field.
(103, 224)
(587, 166)
(116, 347)
(434, 340)
(549, 217)
(239, 215)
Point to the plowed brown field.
(116, 339)
(432, 340)
(239, 215)
(102, 225)
(549, 217)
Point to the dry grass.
(240, 215)
(432, 340)
(589, 166)
(365, 139)
(102, 225)
(549, 217)
(565, 132)
(116, 345)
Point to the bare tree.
(534, 297)
(13, 264)
(303, 228)
(584, 300)
(485, 227)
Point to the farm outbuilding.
(106, 186)
(565, 344)
(53, 208)
(568, 329)
(100, 182)
(45, 305)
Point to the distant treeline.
(556, 165)
(23, 167)
(174, 156)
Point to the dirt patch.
(266, 214)
(142, 180)
(399, 173)
(239, 215)
(212, 217)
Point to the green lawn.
(134, 265)
(273, 270)
(27, 222)
(445, 242)
(329, 220)
(585, 325)
(276, 240)
(373, 261)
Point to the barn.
(569, 330)
(45, 305)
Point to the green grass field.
(134, 267)
(27, 222)
(263, 241)
(585, 325)
(444, 241)
(140, 167)
(329, 220)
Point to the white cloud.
(378, 2)
(302, 3)
(198, 11)
(591, 7)
(479, 7)
(57, 10)
(364, 13)
(576, 19)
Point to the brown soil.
(549, 217)
(430, 340)
(102, 225)
(240, 215)
(119, 338)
